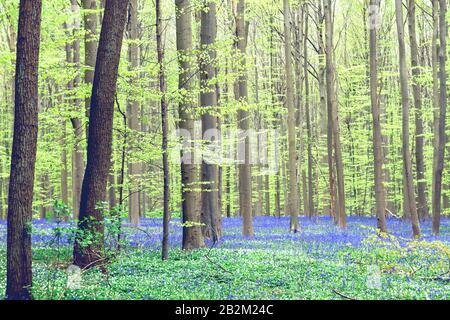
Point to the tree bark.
(440, 150)
(208, 102)
(77, 152)
(380, 192)
(241, 93)
(310, 198)
(408, 192)
(23, 158)
(333, 114)
(422, 205)
(133, 111)
(292, 163)
(100, 135)
(164, 126)
(192, 236)
(90, 44)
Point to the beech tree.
(192, 236)
(408, 193)
(23, 157)
(208, 101)
(380, 193)
(442, 139)
(93, 191)
(241, 95)
(293, 187)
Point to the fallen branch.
(343, 295)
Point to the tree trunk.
(23, 158)
(380, 193)
(208, 101)
(241, 93)
(100, 135)
(438, 170)
(164, 126)
(310, 198)
(409, 198)
(192, 236)
(333, 114)
(292, 170)
(90, 53)
(77, 152)
(422, 205)
(133, 111)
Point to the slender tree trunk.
(292, 171)
(325, 128)
(438, 170)
(308, 122)
(23, 158)
(64, 178)
(100, 135)
(112, 190)
(436, 97)
(422, 205)
(164, 123)
(77, 152)
(380, 193)
(133, 111)
(241, 93)
(90, 53)
(333, 114)
(409, 198)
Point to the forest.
(224, 150)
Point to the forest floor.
(320, 262)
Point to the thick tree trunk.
(380, 193)
(23, 158)
(438, 170)
(100, 135)
(241, 93)
(208, 101)
(192, 236)
(409, 198)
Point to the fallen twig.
(343, 295)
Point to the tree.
(90, 44)
(333, 114)
(241, 94)
(442, 139)
(133, 110)
(408, 191)
(77, 152)
(23, 157)
(192, 236)
(422, 208)
(165, 129)
(308, 120)
(380, 193)
(293, 186)
(208, 101)
(93, 191)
